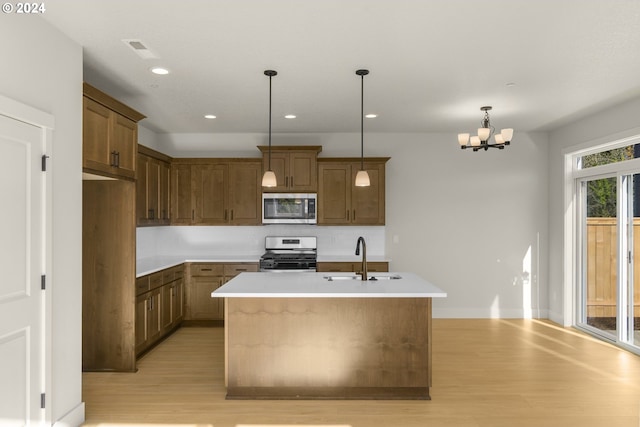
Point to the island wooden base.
(328, 348)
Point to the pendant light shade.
(269, 177)
(362, 177)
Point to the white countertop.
(150, 265)
(314, 285)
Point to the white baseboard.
(487, 313)
(558, 318)
(73, 418)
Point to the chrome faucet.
(363, 273)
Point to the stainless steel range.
(289, 254)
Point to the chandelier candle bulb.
(499, 139)
(475, 141)
(507, 134)
(484, 133)
(463, 138)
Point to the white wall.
(474, 224)
(610, 124)
(42, 68)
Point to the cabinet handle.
(347, 214)
(354, 214)
(286, 181)
(150, 305)
(206, 269)
(231, 214)
(117, 153)
(113, 159)
(292, 181)
(151, 214)
(241, 269)
(193, 214)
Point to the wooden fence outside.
(602, 261)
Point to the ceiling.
(433, 63)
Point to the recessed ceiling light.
(290, 116)
(371, 116)
(511, 84)
(209, 116)
(159, 70)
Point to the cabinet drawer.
(231, 270)
(206, 269)
(155, 280)
(142, 285)
(171, 274)
(378, 266)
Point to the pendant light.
(362, 177)
(269, 178)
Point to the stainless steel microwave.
(289, 208)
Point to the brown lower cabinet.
(347, 267)
(204, 278)
(159, 306)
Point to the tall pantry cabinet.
(108, 233)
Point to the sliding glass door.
(609, 264)
(599, 220)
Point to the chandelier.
(482, 140)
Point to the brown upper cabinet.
(109, 135)
(152, 187)
(340, 202)
(295, 168)
(216, 191)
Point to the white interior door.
(22, 259)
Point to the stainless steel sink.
(372, 277)
(332, 278)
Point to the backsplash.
(249, 240)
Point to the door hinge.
(43, 282)
(42, 398)
(44, 162)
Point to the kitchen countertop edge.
(151, 265)
(315, 285)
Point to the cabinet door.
(177, 305)
(166, 310)
(164, 186)
(334, 193)
(245, 193)
(182, 210)
(124, 142)
(141, 323)
(154, 320)
(279, 166)
(201, 305)
(142, 205)
(303, 172)
(153, 190)
(210, 192)
(368, 203)
(96, 125)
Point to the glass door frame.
(623, 172)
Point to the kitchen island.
(327, 336)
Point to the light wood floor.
(487, 373)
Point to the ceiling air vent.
(140, 48)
